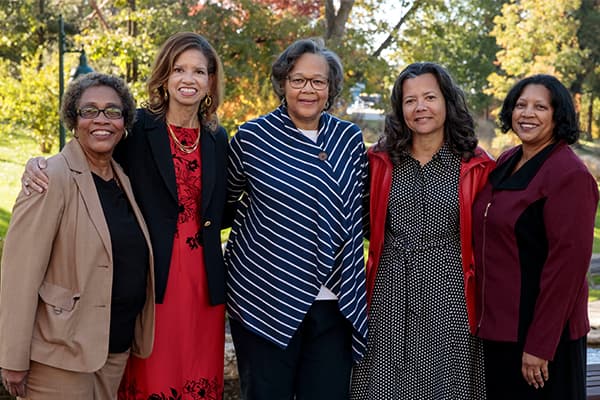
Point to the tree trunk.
(98, 13)
(590, 116)
(41, 31)
(132, 67)
(336, 22)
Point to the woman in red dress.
(176, 155)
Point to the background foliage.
(486, 44)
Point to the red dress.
(187, 358)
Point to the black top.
(130, 264)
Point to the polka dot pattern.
(419, 345)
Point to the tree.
(588, 77)
(458, 38)
(336, 19)
(30, 102)
(28, 30)
(122, 37)
(536, 37)
(29, 83)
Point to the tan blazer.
(56, 273)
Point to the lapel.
(207, 151)
(502, 178)
(156, 132)
(82, 176)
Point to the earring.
(326, 106)
(74, 133)
(125, 134)
(166, 94)
(207, 101)
(283, 102)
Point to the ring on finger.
(26, 183)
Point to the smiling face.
(189, 80)
(306, 104)
(423, 105)
(98, 136)
(532, 117)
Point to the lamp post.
(82, 68)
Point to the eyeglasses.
(91, 112)
(299, 82)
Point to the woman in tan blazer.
(76, 289)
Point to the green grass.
(15, 150)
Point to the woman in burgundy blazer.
(533, 227)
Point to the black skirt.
(567, 372)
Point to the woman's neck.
(183, 117)
(423, 148)
(529, 151)
(101, 167)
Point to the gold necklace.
(186, 149)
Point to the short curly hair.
(287, 60)
(70, 100)
(564, 116)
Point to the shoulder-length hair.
(70, 100)
(564, 115)
(459, 128)
(286, 61)
(163, 66)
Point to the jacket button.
(207, 223)
(322, 156)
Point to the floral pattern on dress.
(187, 360)
(188, 169)
(201, 389)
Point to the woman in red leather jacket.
(533, 227)
(425, 172)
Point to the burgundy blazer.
(533, 233)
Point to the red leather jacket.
(473, 176)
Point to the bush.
(29, 98)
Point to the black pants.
(567, 372)
(315, 365)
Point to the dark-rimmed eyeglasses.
(91, 112)
(299, 82)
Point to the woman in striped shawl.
(296, 282)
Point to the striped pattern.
(298, 224)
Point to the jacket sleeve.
(236, 176)
(569, 214)
(27, 250)
(471, 183)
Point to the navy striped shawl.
(298, 224)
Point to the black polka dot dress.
(419, 345)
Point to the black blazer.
(145, 155)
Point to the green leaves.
(486, 44)
(30, 100)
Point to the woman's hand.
(534, 370)
(15, 382)
(34, 178)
